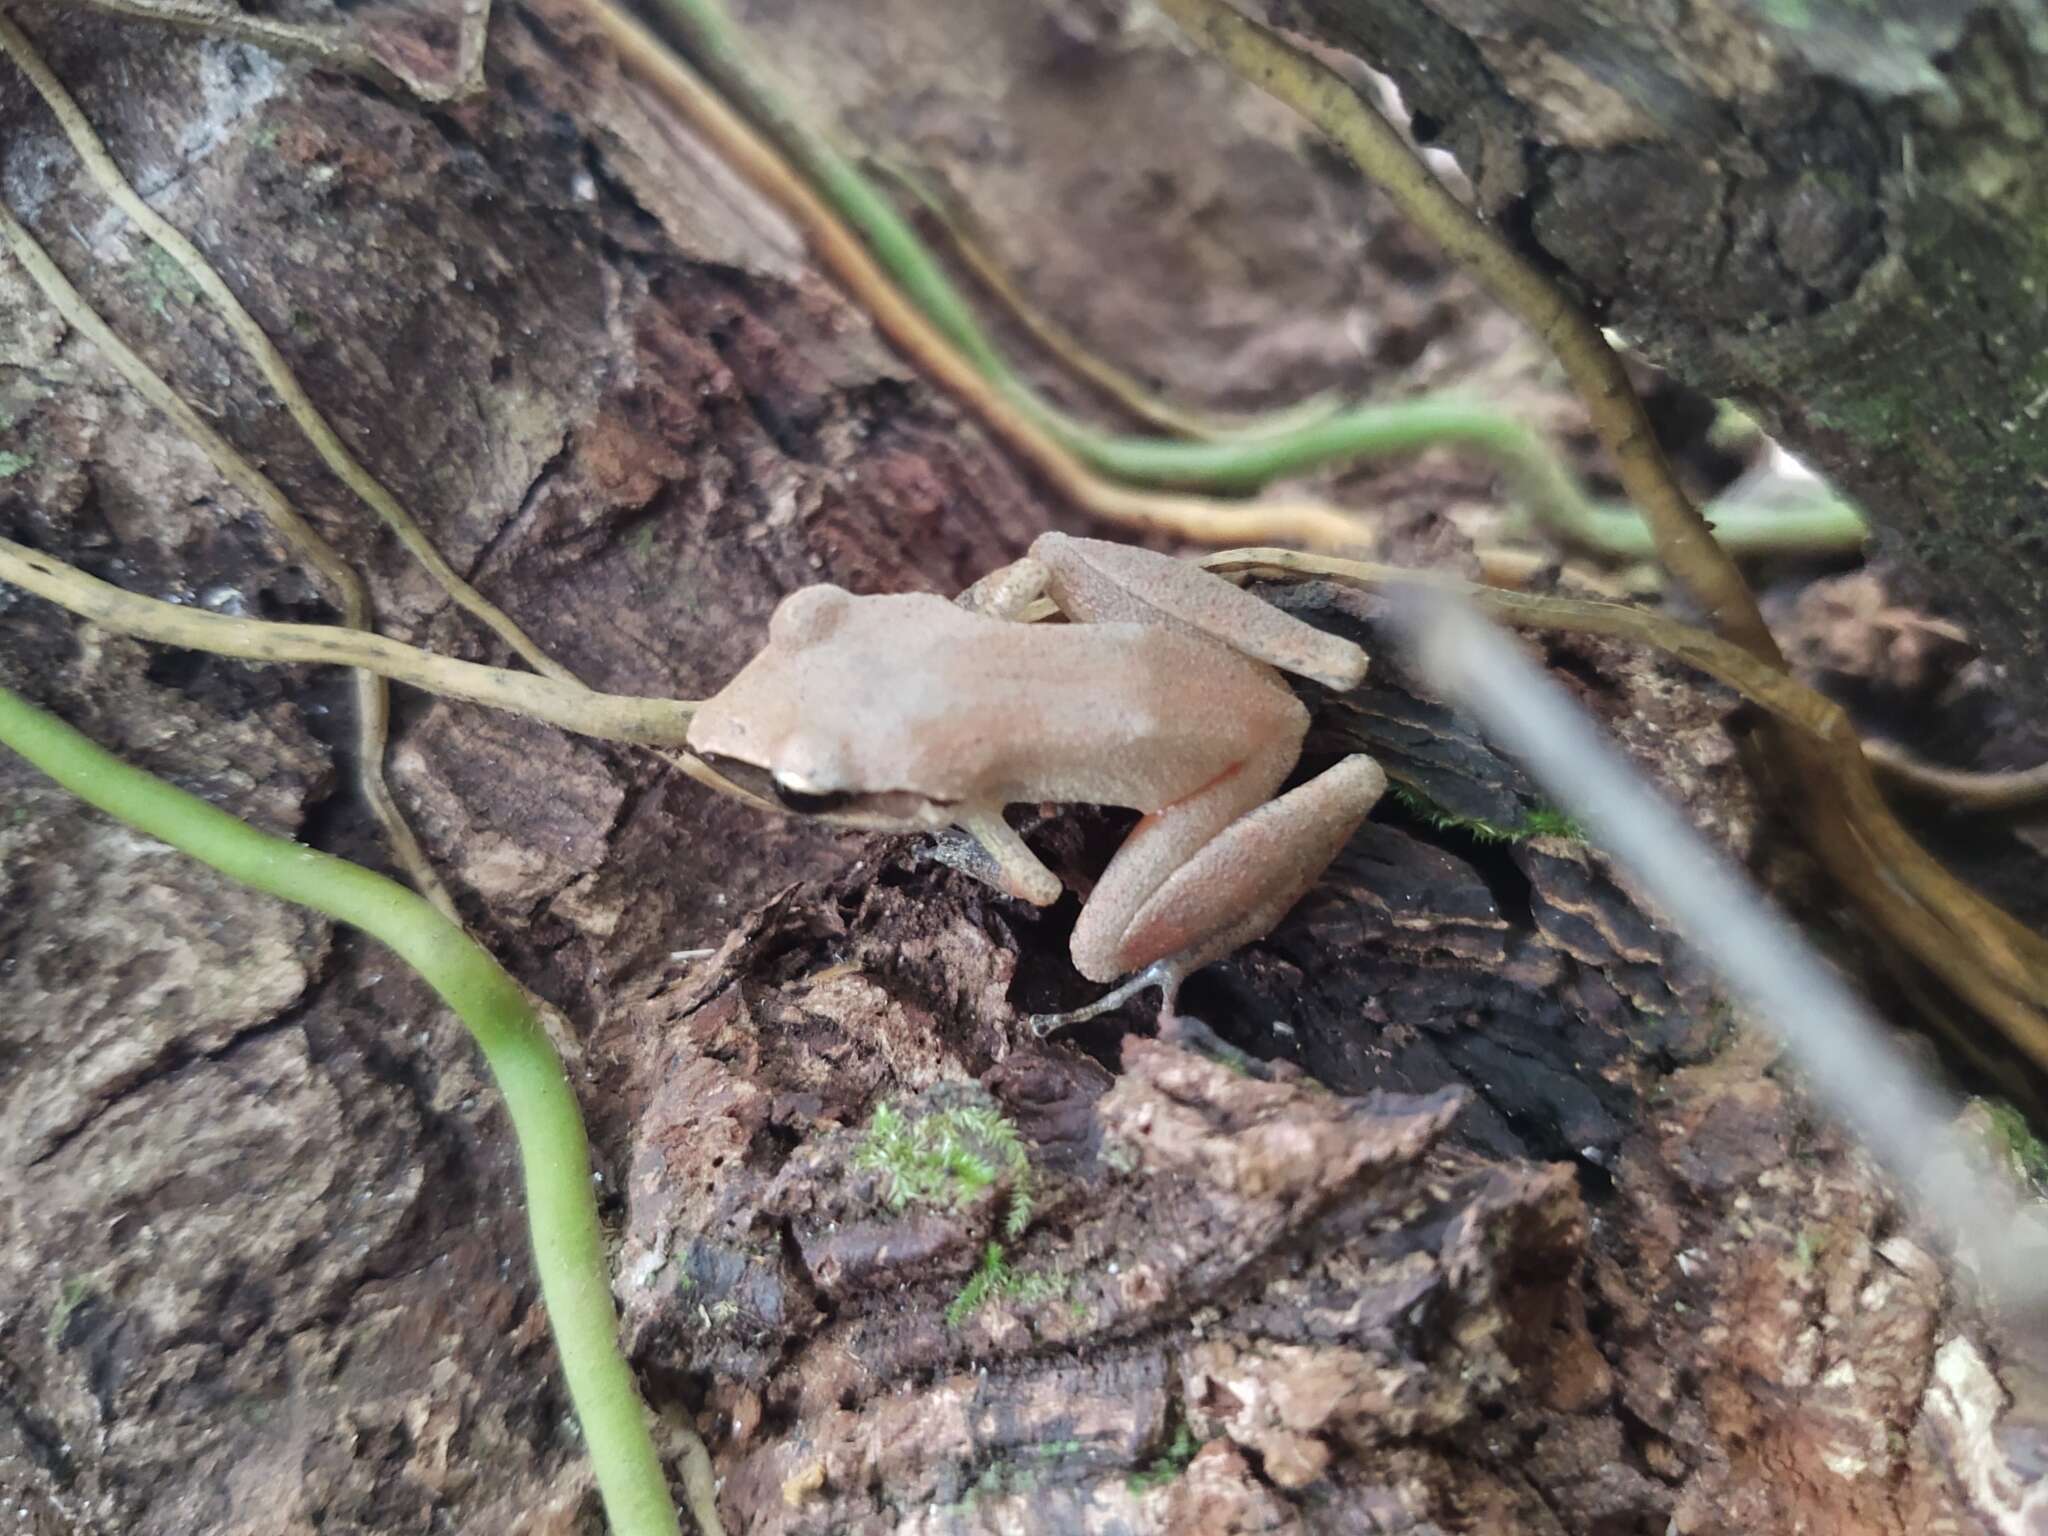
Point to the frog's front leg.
(1211, 874)
(988, 848)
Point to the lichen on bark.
(1831, 211)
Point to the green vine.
(554, 1155)
(1535, 475)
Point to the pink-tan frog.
(912, 713)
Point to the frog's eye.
(806, 803)
(809, 792)
(807, 616)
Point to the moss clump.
(1168, 1465)
(1537, 821)
(995, 1280)
(951, 1158)
(2012, 1136)
(948, 1158)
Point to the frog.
(1161, 692)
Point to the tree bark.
(1559, 1254)
(1829, 211)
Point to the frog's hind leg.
(1008, 592)
(1159, 845)
(1239, 886)
(1097, 582)
(1210, 890)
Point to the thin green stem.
(717, 44)
(1537, 478)
(973, 249)
(568, 1247)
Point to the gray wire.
(1850, 1065)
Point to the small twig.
(610, 716)
(347, 468)
(554, 1151)
(1985, 792)
(658, 723)
(373, 703)
(327, 47)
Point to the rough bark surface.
(1558, 1254)
(1834, 211)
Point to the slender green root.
(1539, 480)
(1819, 523)
(973, 250)
(568, 1248)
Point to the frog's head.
(789, 724)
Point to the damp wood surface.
(1835, 216)
(1526, 1234)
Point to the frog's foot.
(1162, 974)
(1008, 593)
(1186, 1030)
(985, 846)
(1175, 1027)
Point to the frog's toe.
(1175, 1027)
(1185, 1029)
(1160, 975)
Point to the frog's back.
(1113, 714)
